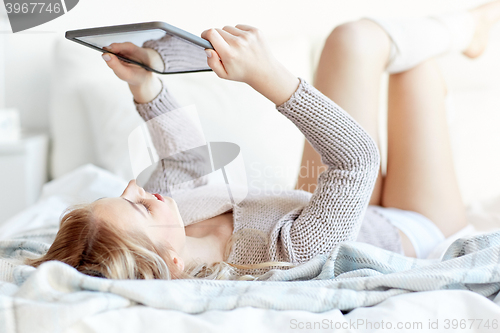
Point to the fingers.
(219, 43)
(122, 47)
(112, 61)
(215, 63)
(234, 31)
(228, 37)
(130, 50)
(237, 50)
(122, 71)
(245, 27)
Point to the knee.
(427, 73)
(359, 38)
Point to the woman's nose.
(133, 187)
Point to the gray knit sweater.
(294, 226)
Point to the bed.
(328, 293)
(91, 117)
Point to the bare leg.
(420, 173)
(350, 72)
(350, 67)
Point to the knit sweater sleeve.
(181, 146)
(335, 211)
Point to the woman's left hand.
(242, 54)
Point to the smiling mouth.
(159, 197)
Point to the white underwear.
(428, 241)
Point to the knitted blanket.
(353, 275)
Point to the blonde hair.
(98, 248)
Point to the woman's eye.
(146, 205)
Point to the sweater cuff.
(155, 45)
(295, 96)
(154, 99)
(177, 54)
(161, 104)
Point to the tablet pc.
(185, 52)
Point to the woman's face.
(153, 214)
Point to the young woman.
(414, 207)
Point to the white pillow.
(270, 144)
(72, 141)
(112, 117)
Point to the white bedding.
(90, 183)
(409, 309)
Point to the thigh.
(350, 73)
(420, 173)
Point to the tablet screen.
(179, 55)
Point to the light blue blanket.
(55, 296)
(353, 275)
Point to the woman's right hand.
(142, 83)
(241, 54)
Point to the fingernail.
(106, 57)
(209, 53)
